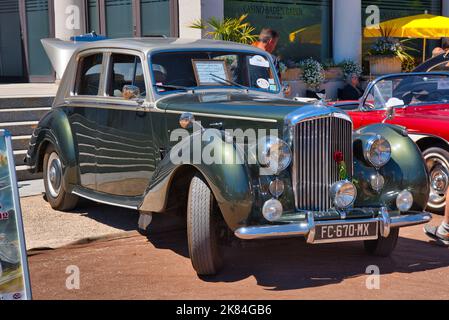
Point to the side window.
(125, 70)
(444, 66)
(88, 76)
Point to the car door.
(82, 113)
(125, 152)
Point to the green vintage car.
(135, 120)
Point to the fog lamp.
(272, 210)
(404, 201)
(343, 194)
(377, 182)
(276, 188)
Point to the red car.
(420, 103)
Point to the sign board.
(210, 72)
(14, 275)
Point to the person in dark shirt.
(352, 90)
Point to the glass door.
(38, 27)
(119, 18)
(11, 57)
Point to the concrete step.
(23, 174)
(19, 157)
(22, 114)
(20, 128)
(20, 142)
(25, 102)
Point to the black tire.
(58, 198)
(383, 247)
(437, 161)
(202, 229)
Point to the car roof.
(147, 45)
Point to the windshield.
(404, 90)
(173, 71)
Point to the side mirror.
(130, 92)
(391, 106)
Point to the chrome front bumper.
(307, 228)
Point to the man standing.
(268, 40)
(441, 233)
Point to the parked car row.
(162, 125)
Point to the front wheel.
(202, 229)
(383, 247)
(57, 196)
(437, 162)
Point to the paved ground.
(136, 267)
(47, 228)
(31, 188)
(28, 90)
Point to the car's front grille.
(314, 169)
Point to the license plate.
(346, 232)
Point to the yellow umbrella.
(422, 26)
(310, 34)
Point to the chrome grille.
(315, 169)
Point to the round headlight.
(275, 154)
(343, 194)
(404, 201)
(377, 151)
(272, 210)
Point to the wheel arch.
(425, 142)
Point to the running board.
(116, 201)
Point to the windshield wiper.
(168, 86)
(230, 82)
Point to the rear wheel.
(383, 247)
(437, 162)
(56, 195)
(203, 229)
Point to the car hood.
(239, 104)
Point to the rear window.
(89, 73)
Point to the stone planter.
(381, 65)
(334, 73)
(292, 74)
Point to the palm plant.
(229, 29)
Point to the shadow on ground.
(293, 264)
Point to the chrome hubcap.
(439, 179)
(54, 175)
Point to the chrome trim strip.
(307, 228)
(222, 116)
(103, 201)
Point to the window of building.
(38, 27)
(93, 17)
(125, 70)
(128, 18)
(155, 17)
(392, 9)
(89, 75)
(304, 25)
(119, 18)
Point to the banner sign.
(14, 275)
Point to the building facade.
(323, 29)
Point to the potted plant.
(350, 68)
(228, 29)
(387, 55)
(313, 76)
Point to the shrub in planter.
(350, 68)
(313, 74)
(387, 55)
